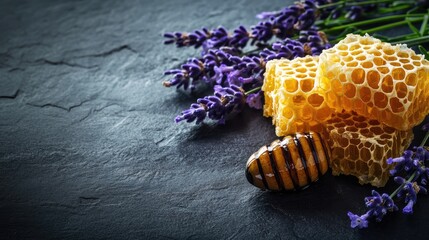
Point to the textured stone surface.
(88, 148)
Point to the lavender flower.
(306, 19)
(240, 37)
(286, 49)
(379, 206)
(219, 38)
(405, 162)
(226, 101)
(254, 100)
(409, 193)
(425, 127)
(195, 38)
(355, 12)
(188, 75)
(358, 221)
(314, 41)
(206, 69)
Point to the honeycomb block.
(360, 147)
(293, 96)
(377, 80)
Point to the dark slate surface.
(88, 148)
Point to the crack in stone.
(97, 110)
(15, 95)
(112, 51)
(15, 69)
(58, 106)
(89, 200)
(62, 62)
(103, 54)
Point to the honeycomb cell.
(396, 105)
(315, 100)
(350, 90)
(411, 79)
(361, 58)
(367, 65)
(373, 79)
(379, 61)
(401, 89)
(306, 85)
(365, 94)
(352, 64)
(387, 84)
(358, 76)
(381, 100)
(398, 74)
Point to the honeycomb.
(377, 80)
(360, 147)
(293, 97)
(362, 94)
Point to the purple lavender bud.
(262, 32)
(422, 189)
(425, 127)
(310, 4)
(409, 191)
(399, 180)
(374, 200)
(240, 37)
(358, 221)
(408, 209)
(226, 101)
(336, 13)
(266, 15)
(354, 13)
(389, 203)
(254, 100)
(306, 20)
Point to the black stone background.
(89, 150)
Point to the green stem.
(401, 38)
(424, 25)
(252, 90)
(373, 21)
(424, 52)
(414, 41)
(388, 26)
(424, 139)
(410, 179)
(345, 3)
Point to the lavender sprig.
(281, 24)
(224, 102)
(196, 69)
(411, 173)
(379, 206)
